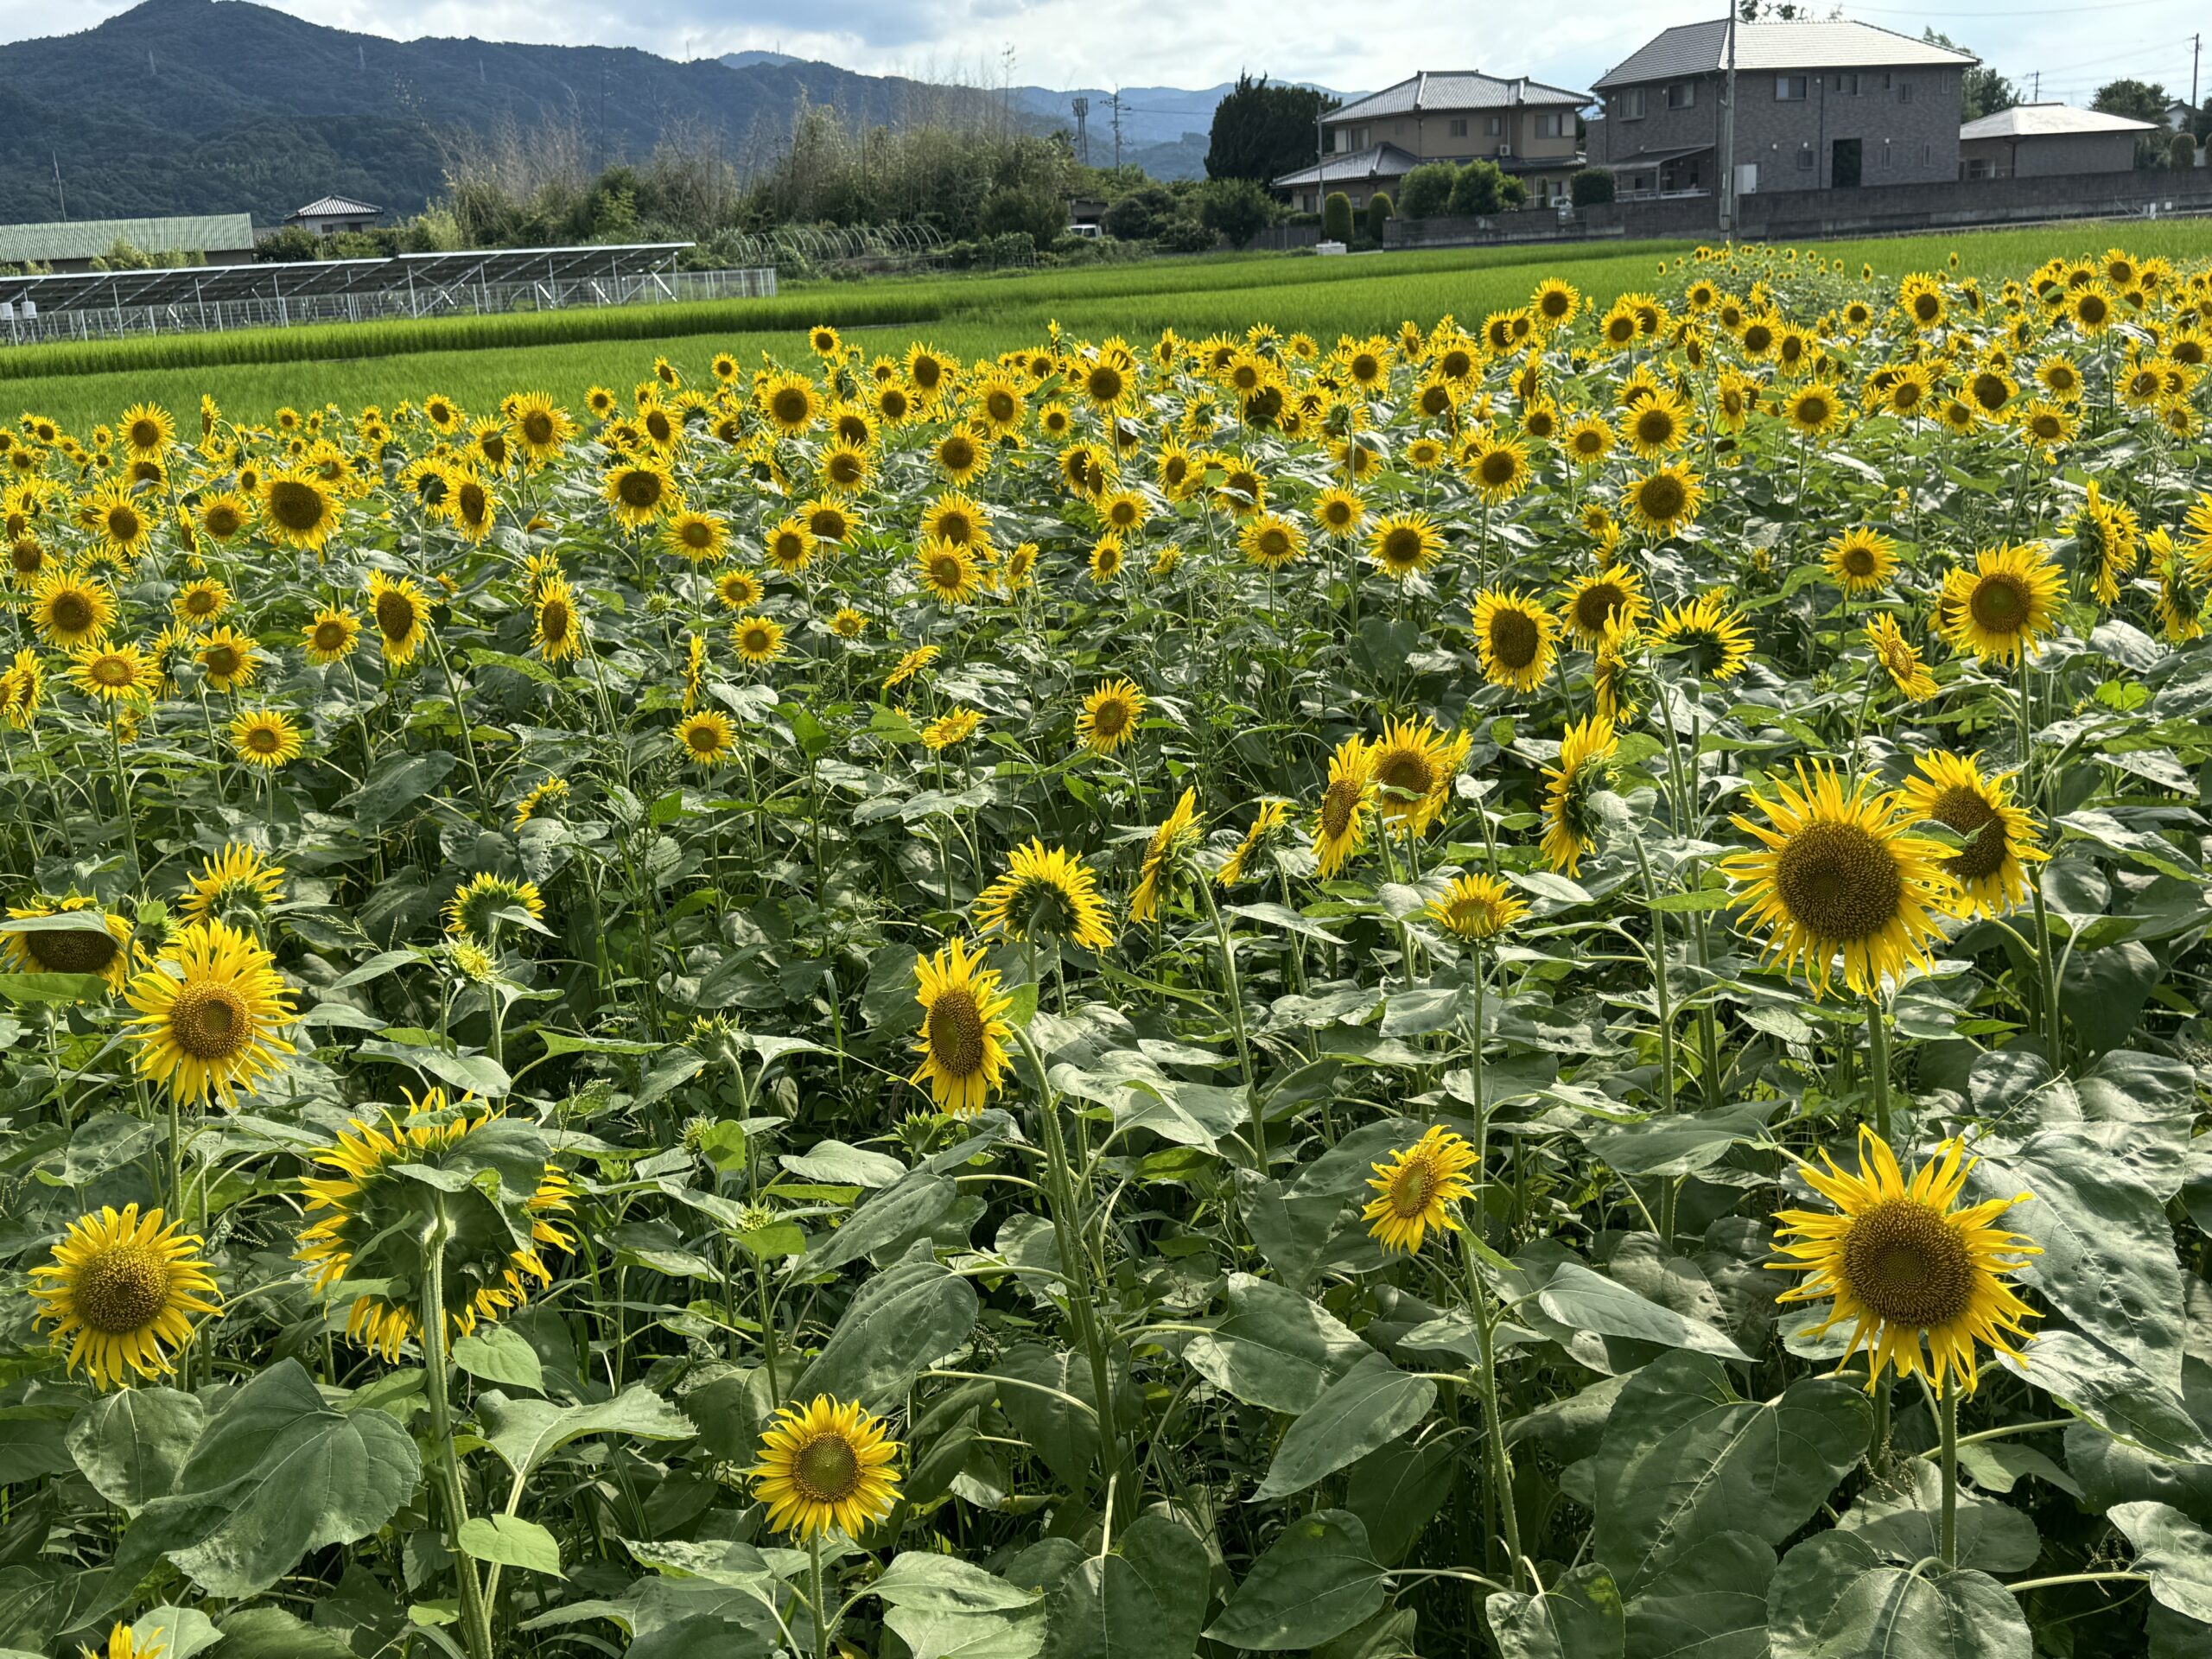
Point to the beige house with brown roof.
(1526, 127)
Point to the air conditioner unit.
(1505, 151)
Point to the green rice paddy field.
(477, 359)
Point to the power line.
(2038, 11)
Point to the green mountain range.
(206, 106)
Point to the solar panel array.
(430, 275)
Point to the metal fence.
(185, 314)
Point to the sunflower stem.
(1950, 1412)
(1075, 1269)
(1234, 991)
(1500, 1459)
(475, 1620)
(461, 713)
(819, 1608)
(1877, 1063)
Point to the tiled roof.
(336, 207)
(1432, 92)
(2048, 121)
(1375, 162)
(1703, 48)
(88, 239)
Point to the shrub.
(1592, 187)
(1139, 216)
(1479, 189)
(2181, 154)
(1426, 191)
(1239, 208)
(1184, 234)
(1378, 215)
(1336, 217)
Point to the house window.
(1790, 89)
(1804, 158)
(1631, 106)
(1552, 124)
(1904, 91)
(1847, 84)
(1495, 126)
(1459, 128)
(1681, 95)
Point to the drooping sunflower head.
(1477, 907)
(236, 884)
(1417, 1188)
(485, 903)
(1838, 874)
(1047, 895)
(545, 798)
(372, 1214)
(1584, 770)
(1348, 803)
(823, 1466)
(1167, 859)
(121, 1290)
(1990, 869)
(1109, 716)
(1922, 1280)
(209, 1010)
(1708, 635)
(1269, 825)
(1514, 639)
(1900, 658)
(94, 940)
(962, 1041)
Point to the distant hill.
(202, 106)
(187, 106)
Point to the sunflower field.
(1536, 987)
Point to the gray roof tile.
(1432, 92)
(1701, 49)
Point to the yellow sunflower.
(238, 878)
(1412, 766)
(1513, 638)
(299, 509)
(1900, 658)
(1921, 1280)
(640, 491)
(123, 1642)
(1109, 716)
(146, 429)
(1348, 802)
(738, 591)
(103, 948)
(228, 658)
(707, 739)
(699, 537)
(362, 1206)
(114, 674)
(473, 912)
(757, 638)
(2000, 835)
(948, 572)
(116, 515)
(825, 1465)
(69, 610)
(1860, 560)
(789, 544)
(1477, 907)
(1166, 858)
(121, 1289)
(330, 637)
(1839, 874)
(1598, 607)
(2007, 602)
(267, 738)
(1664, 499)
(1710, 635)
(1416, 1189)
(209, 1013)
(557, 632)
(401, 610)
(1270, 541)
(198, 603)
(963, 1043)
(1047, 894)
(1584, 767)
(1402, 544)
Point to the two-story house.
(1526, 127)
(1819, 106)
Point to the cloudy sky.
(1134, 42)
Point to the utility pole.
(60, 194)
(2195, 47)
(1117, 129)
(2035, 87)
(1728, 135)
(1082, 130)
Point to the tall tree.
(2141, 101)
(1262, 132)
